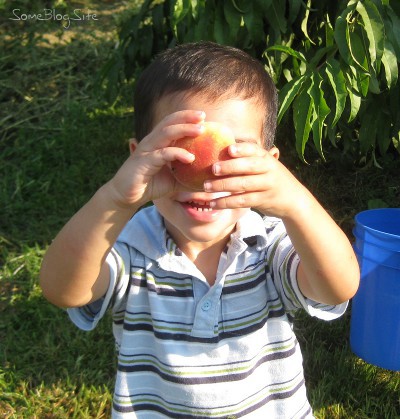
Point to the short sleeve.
(283, 263)
(88, 316)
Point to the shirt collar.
(251, 229)
(146, 232)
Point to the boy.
(202, 289)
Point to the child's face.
(185, 221)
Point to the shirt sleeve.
(88, 316)
(283, 262)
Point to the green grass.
(59, 141)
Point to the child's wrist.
(300, 207)
(114, 201)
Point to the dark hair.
(210, 69)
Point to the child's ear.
(132, 144)
(274, 151)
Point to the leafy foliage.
(335, 63)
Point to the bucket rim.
(380, 238)
(376, 210)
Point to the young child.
(202, 289)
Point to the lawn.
(59, 141)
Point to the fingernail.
(216, 169)
(207, 186)
(201, 114)
(233, 149)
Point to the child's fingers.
(166, 135)
(187, 115)
(236, 184)
(187, 123)
(241, 166)
(169, 154)
(240, 200)
(246, 149)
(247, 158)
(153, 161)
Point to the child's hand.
(328, 270)
(145, 175)
(257, 180)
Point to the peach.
(208, 148)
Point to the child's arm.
(328, 270)
(74, 271)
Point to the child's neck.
(204, 254)
(207, 258)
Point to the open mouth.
(200, 206)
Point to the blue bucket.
(375, 314)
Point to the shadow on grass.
(59, 140)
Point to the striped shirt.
(190, 350)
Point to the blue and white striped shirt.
(190, 350)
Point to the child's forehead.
(244, 116)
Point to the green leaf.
(383, 132)
(357, 50)
(338, 83)
(320, 53)
(203, 28)
(219, 25)
(374, 29)
(263, 5)
(287, 94)
(289, 51)
(396, 141)
(341, 33)
(233, 18)
(320, 111)
(294, 9)
(329, 33)
(254, 23)
(195, 4)
(180, 10)
(373, 86)
(278, 13)
(363, 80)
(389, 62)
(157, 14)
(146, 47)
(302, 112)
(354, 96)
(394, 105)
(131, 26)
(394, 31)
(235, 5)
(304, 22)
(368, 128)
